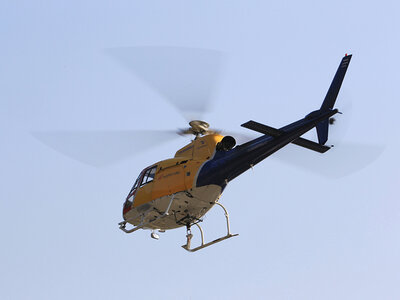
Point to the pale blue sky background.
(302, 235)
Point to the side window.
(152, 173)
(146, 175)
(149, 175)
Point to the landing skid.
(189, 234)
(189, 221)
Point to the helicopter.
(179, 191)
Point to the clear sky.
(306, 233)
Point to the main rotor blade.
(340, 161)
(187, 77)
(101, 148)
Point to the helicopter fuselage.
(179, 191)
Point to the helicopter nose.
(126, 209)
(127, 206)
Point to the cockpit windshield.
(137, 182)
(146, 176)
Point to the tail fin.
(322, 131)
(330, 98)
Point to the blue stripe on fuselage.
(225, 166)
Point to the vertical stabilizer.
(333, 91)
(330, 98)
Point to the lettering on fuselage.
(169, 175)
(186, 149)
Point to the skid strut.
(189, 234)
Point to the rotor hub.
(199, 127)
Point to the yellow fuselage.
(172, 176)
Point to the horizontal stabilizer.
(265, 129)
